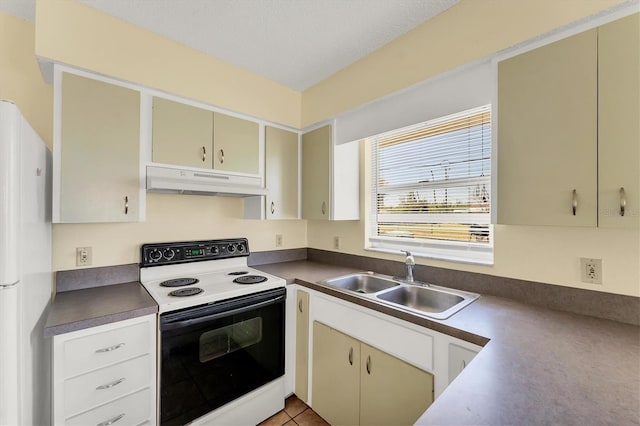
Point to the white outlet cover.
(591, 270)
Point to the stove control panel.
(192, 251)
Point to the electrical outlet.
(336, 242)
(278, 240)
(591, 270)
(84, 256)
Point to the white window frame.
(458, 251)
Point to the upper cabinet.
(281, 154)
(188, 136)
(568, 131)
(316, 178)
(330, 177)
(547, 134)
(182, 134)
(618, 123)
(97, 152)
(236, 144)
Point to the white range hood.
(185, 181)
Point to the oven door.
(215, 353)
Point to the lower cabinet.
(459, 358)
(354, 383)
(302, 345)
(106, 374)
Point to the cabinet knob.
(574, 201)
(221, 156)
(111, 420)
(273, 207)
(350, 356)
(204, 154)
(623, 201)
(126, 204)
(323, 208)
(110, 348)
(111, 384)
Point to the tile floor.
(295, 413)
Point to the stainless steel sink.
(420, 298)
(361, 282)
(430, 301)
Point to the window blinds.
(432, 181)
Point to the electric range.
(184, 274)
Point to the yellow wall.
(20, 78)
(456, 37)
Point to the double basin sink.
(418, 298)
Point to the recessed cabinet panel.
(547, 134)
(459, 358)
(182, 134)
(99, 152)
(281, 151)
(392, 391)
(302, 345)
(235, 144)
(316, 169)
(618, 128)
(336, 376)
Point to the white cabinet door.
(316, 173)
(99, 152)
(281, 153)
(236, 144)
(459, 358)
(547, 134)
(182, 134)
(618, 128)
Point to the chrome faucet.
(410, 262)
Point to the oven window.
(228, 339)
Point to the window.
(431, 188)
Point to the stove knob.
(240, 248)
(168, 254)
(155, 255)
(231, 248)
(215, 250)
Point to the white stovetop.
(213, 279)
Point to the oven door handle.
(211, 317)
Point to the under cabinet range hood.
(185, 181)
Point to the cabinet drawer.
(106, 384)
(108, 347)
(131, 410)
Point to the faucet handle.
(410, 259)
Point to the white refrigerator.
(25, 271)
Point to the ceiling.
(296, 43)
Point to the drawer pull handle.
(112, 384)
(126, 205)
(300, 305)
(111, 421)
(623, 201)
(273, 207)
(350, 356)
(369, 364)
(574, 201)
(221, 156)
(204, 154)
(110, 348)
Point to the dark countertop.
(89, 307)
(538, 366)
